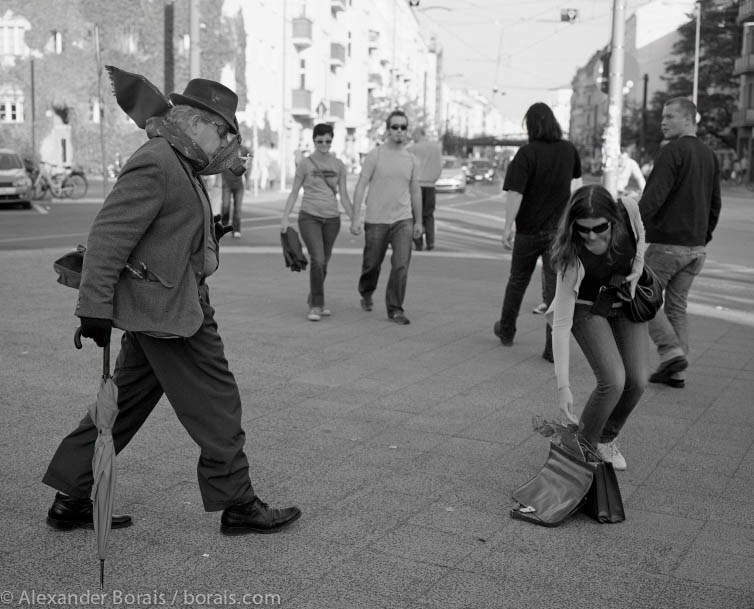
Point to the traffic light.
(604, 77)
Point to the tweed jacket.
(157, 216)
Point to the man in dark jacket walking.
(158, 221)
(680, 208)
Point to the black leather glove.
(220, 228)
(97, 329)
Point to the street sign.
(569, 14)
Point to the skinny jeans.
(319, 235)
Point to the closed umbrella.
(103, 413)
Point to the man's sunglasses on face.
(401, 127)
(328, 142)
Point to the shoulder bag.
(322, 175)
(646, 301)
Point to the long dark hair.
(541, 123)
(591, 201)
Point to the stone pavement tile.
(323, 596)
(675, 473)
(687, 594)
(420, 484)
(600, 586)
(460, 515)
(731, 539)
(382, 455)
(463, 590)
(718, 569)
(746, 467)
(713, 434)
(409, 439)
(426, 545)
(501, 427)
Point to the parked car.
(481, 170)
(453, 177)
(15, 183)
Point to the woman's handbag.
(556, 492)
(646, 301)
(603, 501)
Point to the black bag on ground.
(603, 501)
(556, 492)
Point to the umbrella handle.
(105, 353)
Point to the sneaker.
(540, 309)
(314, 314)
(325, 313)
(610, 453)
(237, 234)
(665, 373)
(366, 303)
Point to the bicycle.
(68, 183)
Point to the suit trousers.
(193, 373)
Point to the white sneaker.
(609, 452)
(325, 313)
(237, 235)
(314, 314)
(540, 309)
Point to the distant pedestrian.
(598, 239)
(537, 186)
(629, 169)
(680, 208)
(323, 178)
(429, 155)
(393, 215)
(232, 200)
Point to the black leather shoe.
(506, 339)
(69, 513)
(399, 318)
(256, 517)
(547, 355)
(666, 370)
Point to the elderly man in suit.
(150, 250)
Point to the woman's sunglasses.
(401, 127)
(597, 230)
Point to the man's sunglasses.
(323, 141)
(401, 127)
(597, 230)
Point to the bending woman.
(599, 239)
(322, 176)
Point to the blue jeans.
(675, 267)
(319, 236)
(526, 250)
(377, 237)
(616, 349)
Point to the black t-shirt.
(542, 173)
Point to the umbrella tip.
(102, 574)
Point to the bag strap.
(333, 188)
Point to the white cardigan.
(560, 313)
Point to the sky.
(519, 46)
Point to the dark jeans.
(526, 250)
(428, 217)
(319, 236)
(617, 351)
(377, 237)
(193, 373)
(237, 203)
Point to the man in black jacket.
(680, 208)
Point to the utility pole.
(195, 51)
(169, 63)
(615, 99)
(643, 133)
(281, 138)
(33, 113)
(695, 94)
(100, 108)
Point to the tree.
(381, 107)
(717, 98)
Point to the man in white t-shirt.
(628, 168)
(393, 215)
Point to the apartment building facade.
(743, 118)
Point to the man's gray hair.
(182, 115)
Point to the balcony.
(746, 11)
(301, 102)
(337, 55)
(301, 36)
(743, 118)
(375, 81)
(743, 65)
(374, 40)
(337, 109)
(337, 5)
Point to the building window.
(302, 74)
(12, 31)
(56, 42)
(348, 95)
(349, 44)
(11, 112)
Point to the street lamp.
(696, 50)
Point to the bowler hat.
(212, 96)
